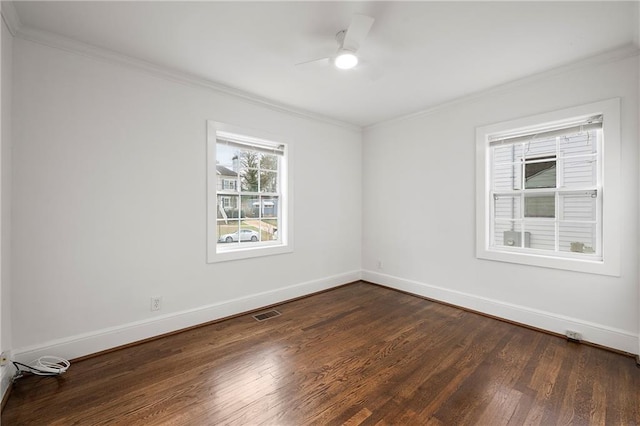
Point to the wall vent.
(266, 315)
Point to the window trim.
(611, 231)
(215, 253)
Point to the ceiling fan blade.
(357, 31)
(314, 62)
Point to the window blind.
(246, 142)
(585, 125)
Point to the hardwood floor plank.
(501, 407)
(622, 406)
(357, 355)
(358, 418)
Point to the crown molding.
(622, 52)
(80, 48)
(46, 38)
(10, 17)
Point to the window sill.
(589, 266)
(224, 254)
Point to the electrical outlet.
(573, 335)
(156, 303)
(4, 358)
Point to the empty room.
(299, 212)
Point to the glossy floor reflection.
(358, 354)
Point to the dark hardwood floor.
(359, 354)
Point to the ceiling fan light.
(346, 60)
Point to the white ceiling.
(428, 52)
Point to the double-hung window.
(545, 191)
(248, 201)
(541, 189)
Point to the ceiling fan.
(349, 41)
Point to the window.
(541, 189)
(229, 184)
(248, 205)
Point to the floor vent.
(266, 315)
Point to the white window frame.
(608, 260)
(227, 252)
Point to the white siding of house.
(576, 168)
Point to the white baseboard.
(100, 340)
(7, 372)
(591, 332)
(108, 338)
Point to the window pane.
(540, 174)
(508, 234)
(578, 207)
(268, 162)
(249, 231)
(249, 180)
(268, 181)
(579, 172)
(227, 206)
(227, 231)
(227, 160)
(539, 205)
(249, 161)
(542, 234)
(270, 229)
(269, 206)
(507, 207)
(577, 237)
(507, 177)
(250, 206)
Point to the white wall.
(6, 372)
(109, 205)
(421, 226)
(637, 43)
